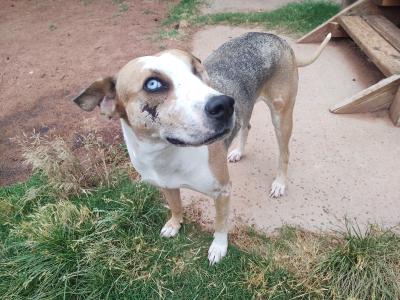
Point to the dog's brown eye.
(155, 85)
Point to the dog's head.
(165, 97)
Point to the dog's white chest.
(167, 166)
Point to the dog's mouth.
(215, 137)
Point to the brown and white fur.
(177, 137)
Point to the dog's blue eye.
(154, 85)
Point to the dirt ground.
(51, 49)
(341, 166)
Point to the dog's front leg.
(173, 197)
(219, 246)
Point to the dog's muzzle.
(220, 108)
(219, 111)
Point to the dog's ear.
(199, 70)
(100, 93)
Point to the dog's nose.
(220, 107)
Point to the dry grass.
(342, 265)
(73, 170)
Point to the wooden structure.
(373, 26)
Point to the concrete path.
(340, 165)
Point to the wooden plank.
(387, 2)
(361, 7)
(386, 29)
(382, 54)
(394, 111)
(336, 30)
(376, 97)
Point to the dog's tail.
(302, 62)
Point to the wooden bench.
(372, 24)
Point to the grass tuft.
(365, 266)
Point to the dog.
(179, 117)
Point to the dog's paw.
(218, 248)
(235, 155)
(277, 188)
(170, 229)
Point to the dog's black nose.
(220, 107)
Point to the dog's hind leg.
(236, 154)
(282, 118)
(280, 95)
(173, 197)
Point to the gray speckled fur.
(240, 67)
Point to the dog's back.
(239, 67)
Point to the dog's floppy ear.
(100, 93)
(199, 70)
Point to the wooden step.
(376, 97)
(380, 51)
(361, 7)
(385, 28)
(394, 111)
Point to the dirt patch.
(51, 49)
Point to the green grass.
(184, 10)
(106, 245)
(297, 17)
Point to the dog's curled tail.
(302, 62)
